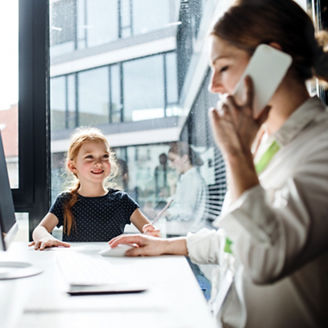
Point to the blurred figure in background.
(188, 207)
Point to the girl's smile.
(92, 163)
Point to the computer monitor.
(8, 227)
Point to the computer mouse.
(119, 250)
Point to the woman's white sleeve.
(275, 232)
(205, 245)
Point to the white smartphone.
(267, 67)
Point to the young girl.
(89, 211)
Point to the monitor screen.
(8, 228)
(8, 225)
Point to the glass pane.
(81, 24)
(114, 86)
(171, 75)
(102, 21)
(116, 106)
(126, 18)
(172, 108)
(23, 230)
(58, 103)
(158, 15)
(139, 76)
(9, 86)
(149, 179)
(93, 97)
(71, 101)
(58, 176)
(62, 27)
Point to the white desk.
(174, 298)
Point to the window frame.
(33, 194)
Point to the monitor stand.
(16, 270)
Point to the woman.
(277, 219)
(186, 214)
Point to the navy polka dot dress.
(97, 218)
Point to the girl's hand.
(234, 127)
(48, 242)
(150, 230)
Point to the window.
(24, 107)
(149, 180)
(71, 118)
(126, 18)
(102, 21)
(134, 98)
(158, 15)
(115, 93)
(171, 85)
(103, 91)
(93, 97)
(9, 86)
(62, 27)
(58, 103)
(141, 75)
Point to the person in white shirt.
(272, 244)
(187, 212)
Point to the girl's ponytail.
(69, 221)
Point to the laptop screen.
(8, 223)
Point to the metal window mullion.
(131, 17)
(77, 111)
(119, 9)
(85, 23)
(110, 96)
(121, 77)
(66, 103)
(75, 25)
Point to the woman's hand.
(151, 246)
(145, 245)
(149, 229)
(48, 242)
(234, 127)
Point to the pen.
(160, 214)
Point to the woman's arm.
(150, 246)
(234, 130)
(42, 237)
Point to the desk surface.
(174, 298)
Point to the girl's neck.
(289, 96)
(92, 190)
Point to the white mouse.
(119, 250)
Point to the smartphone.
(267, 67)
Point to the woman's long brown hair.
(248, 23)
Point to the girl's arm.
(42, 237)
(143, 224)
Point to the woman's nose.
(215, 85)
